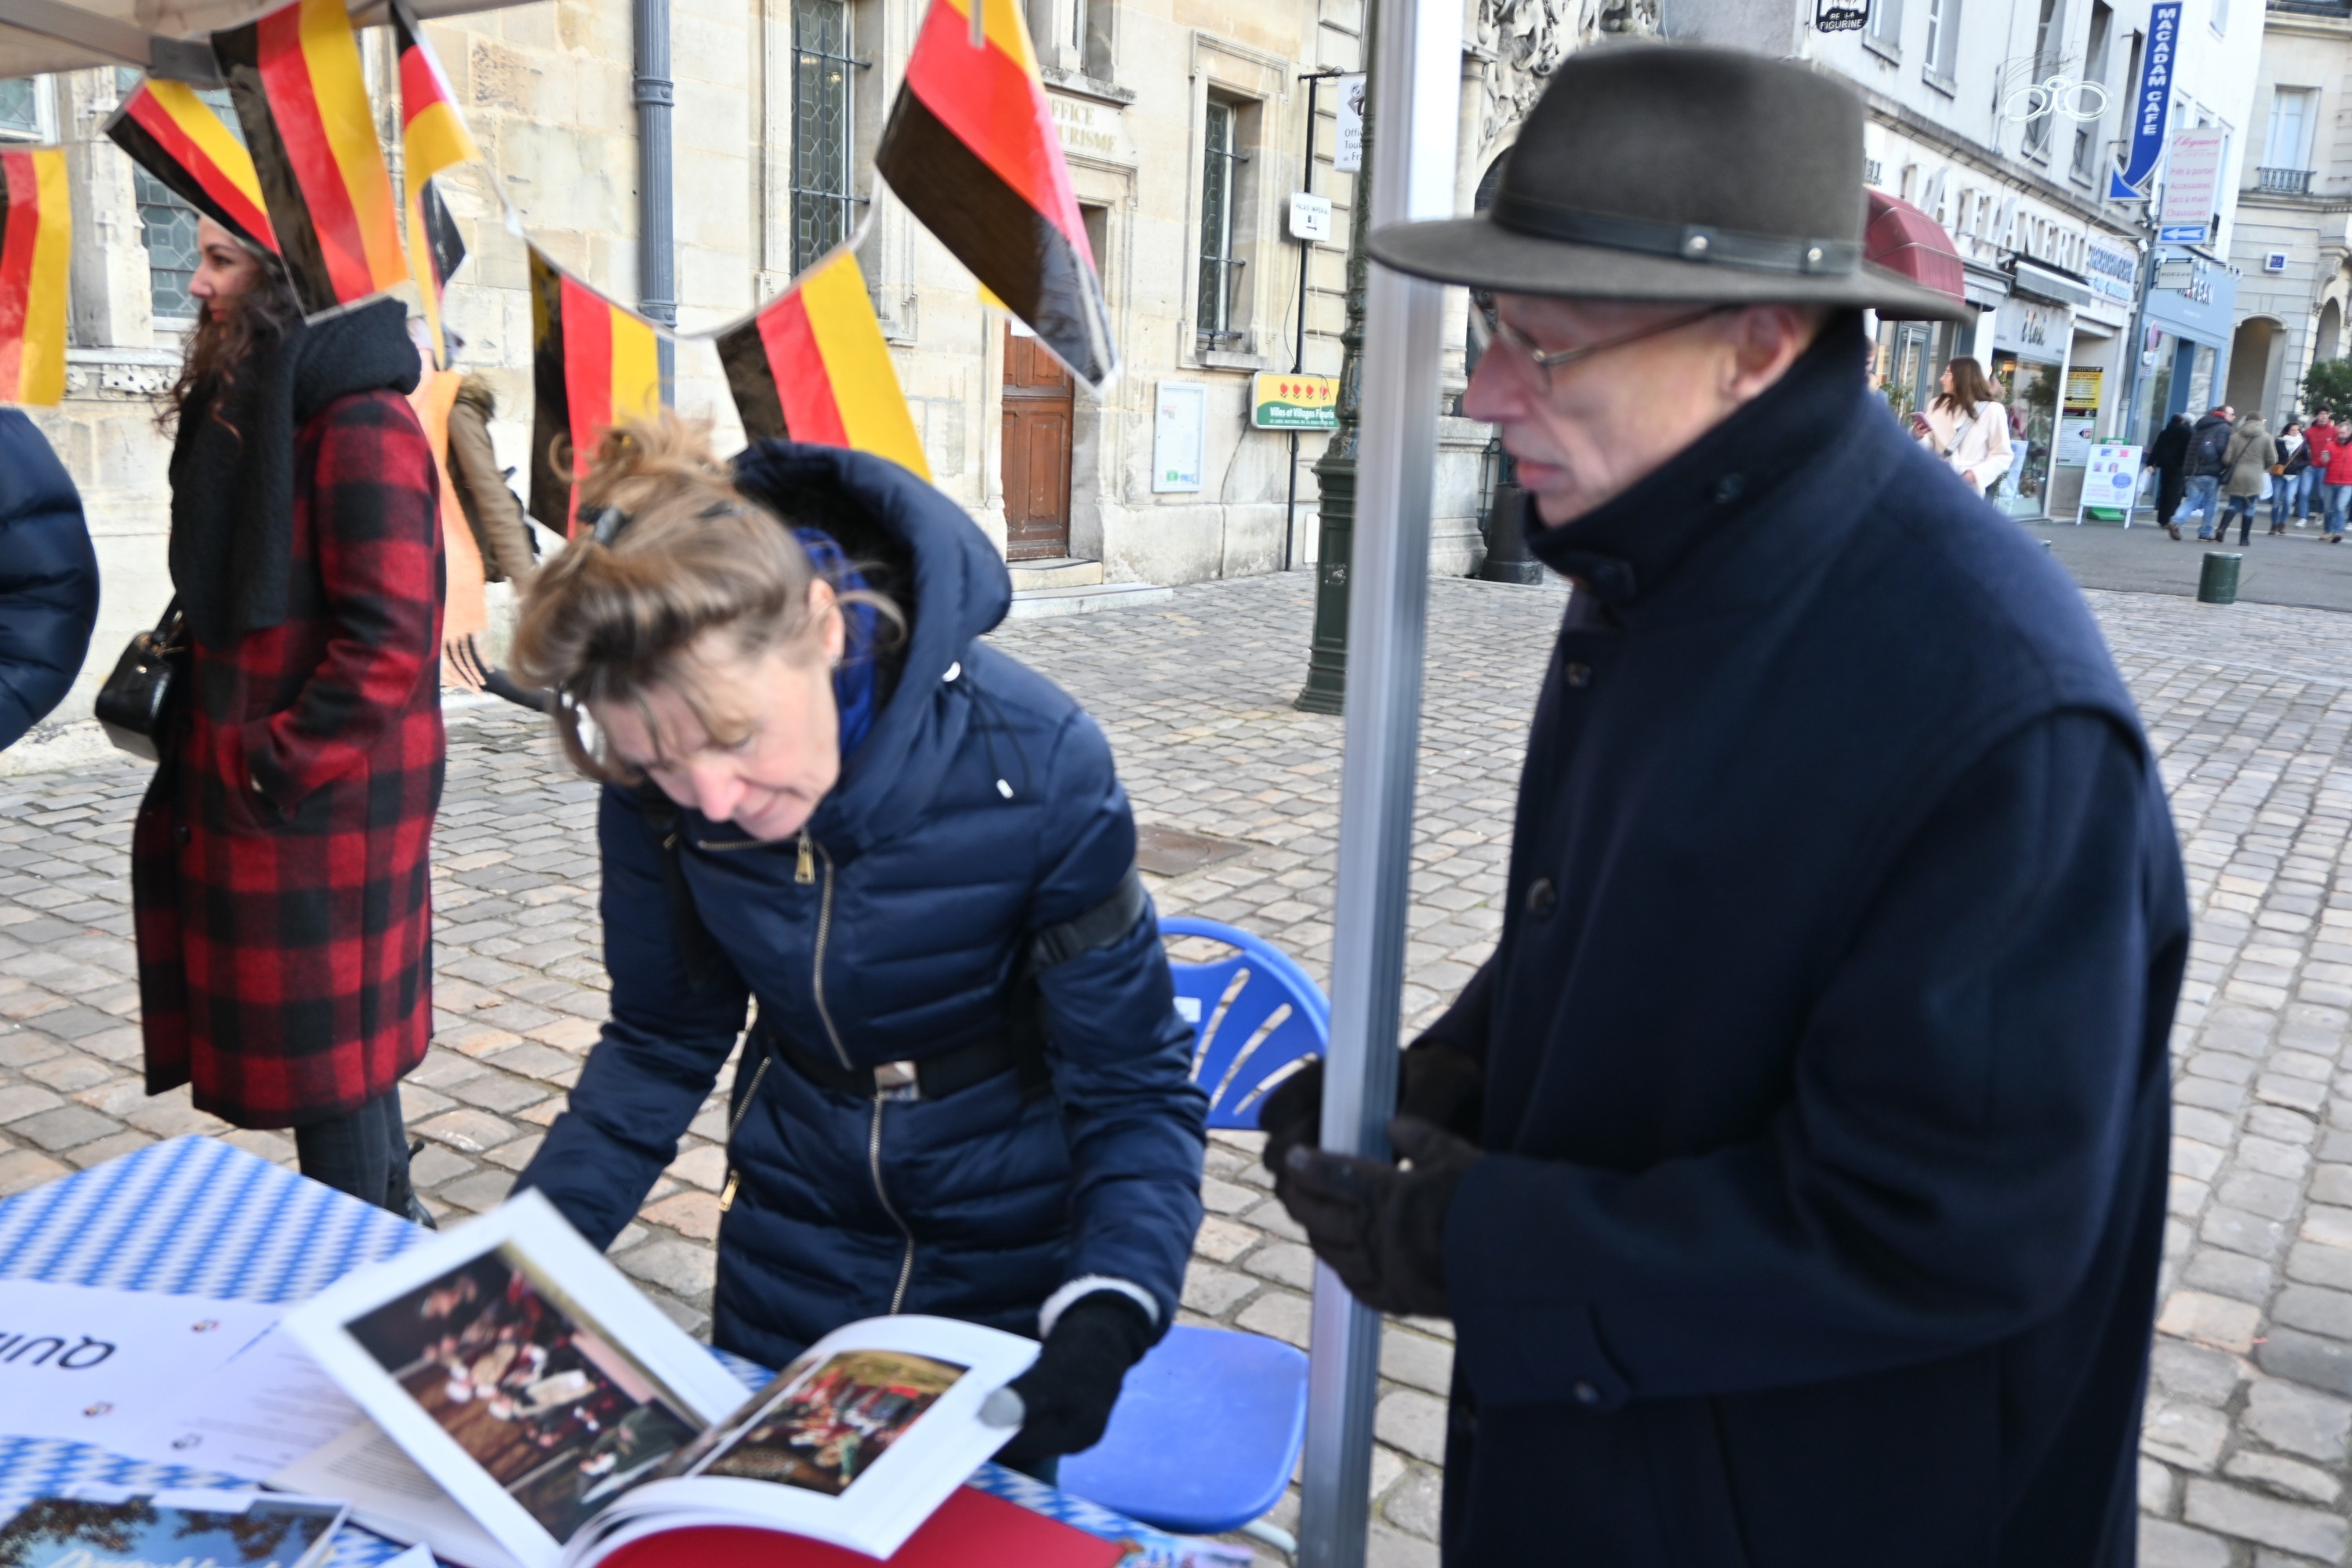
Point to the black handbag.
(136, 702)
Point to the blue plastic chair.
(1209, 1425)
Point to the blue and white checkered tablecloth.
(195, 1217)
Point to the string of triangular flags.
(970, 148)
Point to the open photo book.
(527, 1404)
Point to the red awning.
(1910, 244)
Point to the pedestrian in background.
(48, 578)
(1966, 427)
(279, 862)
(1845, 1253)
(2335, 492)
(2246, 463)
(2168, 455)
(2209, 446)
(2320, 441)
(2286, 480)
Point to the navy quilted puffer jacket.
(48, 578)
(904, 937)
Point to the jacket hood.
(958, 590)
(477, 391)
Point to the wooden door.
(1037, 410)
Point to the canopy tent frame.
(1416, 97)
(42, 36)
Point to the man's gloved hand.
(1436, 1084)
(1062, 1402)
(1381, 1227)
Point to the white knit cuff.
(1061, 1300)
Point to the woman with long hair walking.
(279, 862)
(1965, 425)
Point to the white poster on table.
(102, 1366)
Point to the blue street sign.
(2151, 105)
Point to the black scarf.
(233, 462)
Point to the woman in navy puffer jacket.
(48, 578)
(966, 1087)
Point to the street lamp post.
(1335, 471)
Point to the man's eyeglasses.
(1488, 328)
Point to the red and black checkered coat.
(279, 865)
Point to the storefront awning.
(165, 36)
(1907, 243)
(2032, 277)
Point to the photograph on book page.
(519, 1369)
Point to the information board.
(1282, 401)
(2110, 483)
(1176, 436)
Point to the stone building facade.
(2293, 247)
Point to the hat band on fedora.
(1685, 242)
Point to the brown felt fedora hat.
(1659, 172)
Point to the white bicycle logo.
(2060, 95)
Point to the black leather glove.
(1436, 1084)
(1381, 1227)
(1069, 1391)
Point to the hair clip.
(604, 522)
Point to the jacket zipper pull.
(804, 871)
(727, 1193)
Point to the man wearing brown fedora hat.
(1794, 1172)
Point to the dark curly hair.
(220, 342)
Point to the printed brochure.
(564, 1416)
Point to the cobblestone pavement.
(2251, 1411)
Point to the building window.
(1221, 267)
(2220, 15)
(2287, 149)
(20, 110)
(1886, 25)
(824, 198)
(1943, 40)
(2045, 66)
(2095, 70)
(169, 227)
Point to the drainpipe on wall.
(657, 226)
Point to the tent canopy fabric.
(165, 38)
(1899, 237)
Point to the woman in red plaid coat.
(279, 865)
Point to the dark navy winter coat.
(1825, 1042)
(925, 883)
(48, 578)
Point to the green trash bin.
(2218, 582)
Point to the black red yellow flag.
(433, 138)
(594, 363)
(294, 75)
(812, 366)
(971, 150)
(175, 136)
(36, 246)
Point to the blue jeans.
(2307, 486)
(2335, 496)
(2203, 497)
(2283, 491)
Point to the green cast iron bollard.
(2218, 582)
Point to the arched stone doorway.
(2328, 341)
(2255, 351)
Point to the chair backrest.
(1256, 1018)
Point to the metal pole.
(657, 220)
(1416, 84)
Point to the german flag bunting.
(432, 137)
(812, 366)
(294, 75)
(971, 150)
(175, 136)
(36, 244)
(594, 363)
